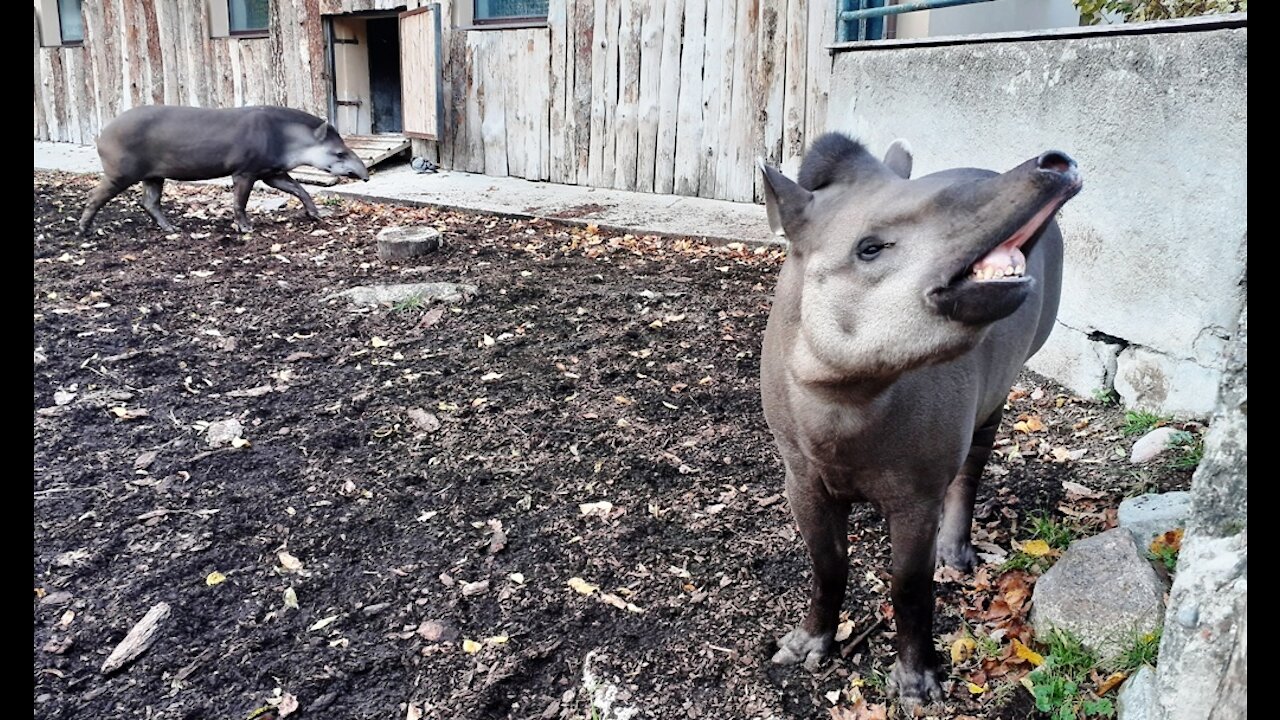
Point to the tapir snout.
(155, 143)
(902, 315)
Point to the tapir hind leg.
(824, 524)
(151, 189)
(955, 540)
(240, 187)
(286, 183)
(107, 188)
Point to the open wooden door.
(423, 103)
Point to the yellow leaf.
(290, 598)
(239, 442)
(1113, 680)
(378, 342)
(214, 578)
(496, 640)
(1025, 680)
(962, 649)
(470, 647)
(582, 586)
(1026, 653)
(975, 689)
(1036, 548)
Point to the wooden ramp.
(372, 149)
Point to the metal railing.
(864, 19)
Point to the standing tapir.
(155, 143)
(902, 316)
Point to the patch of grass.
(410, 303)
(331, 201)
(1046, 528)
(1189, 447)
(1137, 422)
(1054, 533)
(1059, 685)
(1165, 555)
(987, 648)
(876, 680)
(1141, 650)
(1106, 396)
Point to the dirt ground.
(560, 491)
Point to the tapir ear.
(898, 158)
(785, 201)
(321, 132)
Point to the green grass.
(1190, 450)
(1059, 685)
(409, 303)
(1056, 534)
(1141, 650)
(1166, 556)
(331, 201)
(1137, 422)
(1106, 396)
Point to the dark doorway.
(384, 74)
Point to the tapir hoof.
(960, 556)
(914, 688)
(799, 646)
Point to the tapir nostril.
(1055, 161)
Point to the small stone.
(1067, 596)
(143, 461)
(1152, 445)
(222, 432)
(425, 421)
(475, 588)
(1137, 697)
(57, 597)
(1147, 516)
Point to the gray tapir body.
(155, 143)
(902, 315)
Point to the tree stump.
(402, 243)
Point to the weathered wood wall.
(667, 96)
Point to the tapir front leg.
(913, 530)
(824, 524)
(955, 538)
(286, 183)
(241, 185)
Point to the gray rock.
(1137, 697)
(1152, 445)
(1149, 515)
(445, 292)
(1165, 384)
(1205, 638)
(402, 243)
(222, 432)
(1103, 590)
(266, 204)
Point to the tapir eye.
(869, 248)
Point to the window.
(70, 22)
(491, 11)
(248, 17)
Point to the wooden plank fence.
(666, 96)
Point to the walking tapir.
(902, 315)
(155, 143)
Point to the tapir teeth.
(1008, 269)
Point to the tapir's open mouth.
(993, 284)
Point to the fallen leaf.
(471, 647)
(323, 623)
(975, 689)
(215, 578)
(475, 588)
(290, 598)
(582, 586)
(1029, 424)
(962, 649)
(1076, 490)
(1111, 682)
(378, 342)
(1036, 548)
(288, 705)
(517, 578)
(844, 630)
(496, 640)
(498, 541)
(602, 507)
(1171, 540)
(289, 562)
(1026, 653)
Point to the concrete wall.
(1156, 241)
(998, 16)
